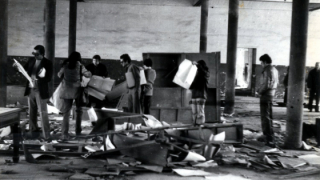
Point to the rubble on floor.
(152, 146)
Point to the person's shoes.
(317, 109)
(310, 110)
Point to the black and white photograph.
(159, 89)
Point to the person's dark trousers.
(134, 100)
(147, 104)
(66, 116)
(314, 95)
(266, 118)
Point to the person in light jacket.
(71, 89)
(199, 89)
(268, 85)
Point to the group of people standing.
(72, 71)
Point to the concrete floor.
(247, 113)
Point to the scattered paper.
(92, 114)
(190, 172)
(267, 160)
(206, 164)
(92, 148)
(305, 146)
(47, 147)
(151, 121)
(109, 145)
(5, 131)
(291, 162)
(44, 156)
(312, 159)
(4, 146)
(52, 110)
(194, 157)
(220, 137)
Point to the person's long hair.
(203, 64)
(72, 60)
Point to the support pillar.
(204, 25)
(49, 36)
(298, 47)
(231, 55)
(72, 26)
(3, 51)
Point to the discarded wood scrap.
(157, 151)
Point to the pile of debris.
(131, 143)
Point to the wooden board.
(153, 154)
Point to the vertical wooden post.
(49, 36)
(3, 51)
(298, 49)
(72, 26)
(204, 25)
(231, 55)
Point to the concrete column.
(49, 36)
(3, 51)
(72, 26)
(299, 34)
(231, 55)
(204, 25)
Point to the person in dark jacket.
(39, 69)
(313, 83)
(147, 89)
(72, 70)
(96, 69)
(199, 89)
(134, 90)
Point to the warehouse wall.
(113, 27)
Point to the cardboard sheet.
(186, 74)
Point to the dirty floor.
(247, 113)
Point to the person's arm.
(85, 72)
(61, 72)
(263, 83)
